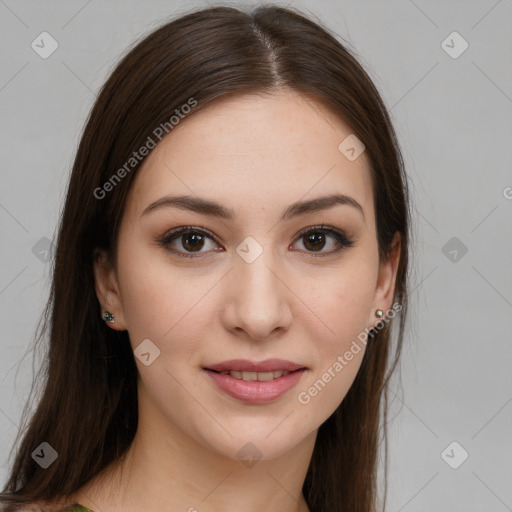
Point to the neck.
(166, 469)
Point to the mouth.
(245, 365)
(252, 376)
(254, 383)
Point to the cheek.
(342, 306)
(160, 301)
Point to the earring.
(379, 313)
(108, 317)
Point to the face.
(262, 281)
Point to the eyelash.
(340, 237)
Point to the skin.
(257, 155)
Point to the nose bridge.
(258, 303)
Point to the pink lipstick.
(255, 382)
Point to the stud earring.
(379, 313)
(108, 317)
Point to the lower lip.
(255, 391)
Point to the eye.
(193, 239)
(314, 239)
(190, 238)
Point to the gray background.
(453, 118)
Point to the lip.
(255, 392)
(268, 365)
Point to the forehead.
(253, 151)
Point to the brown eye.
(191, 240)
(316, 238)
(314, 241)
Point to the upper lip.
(268, 365)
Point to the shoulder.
(74, 507)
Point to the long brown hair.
(88, 406)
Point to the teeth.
(250, 376)
(265, 376)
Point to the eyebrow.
(211, 208)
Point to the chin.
(256, 441)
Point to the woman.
(232, 252)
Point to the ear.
(107, 289)
(386, 281)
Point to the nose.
(257, 299)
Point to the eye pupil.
(316, 239)
(198, 240)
